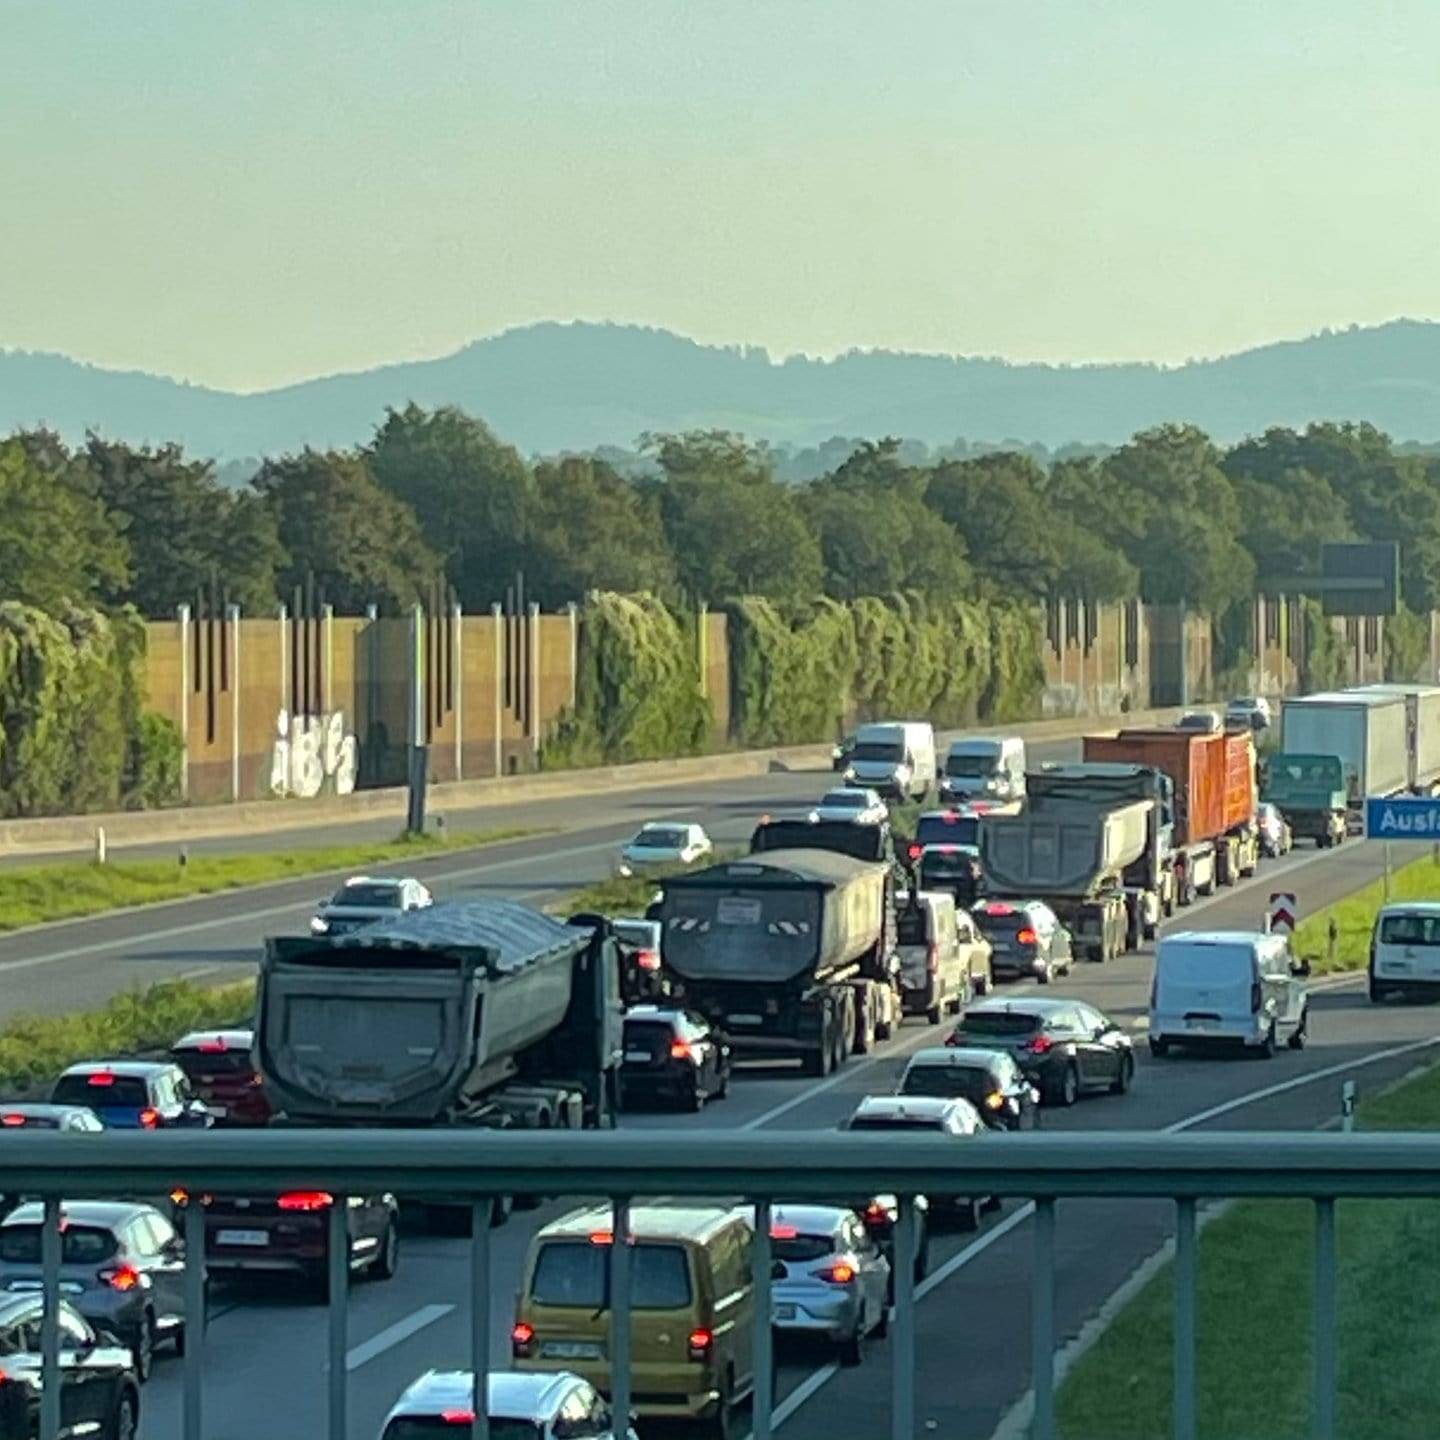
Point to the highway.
(974, 1318)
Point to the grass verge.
(1354, 918)
(34, 1049)
(35, 895)
(1254, 1319)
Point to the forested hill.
(558, 387)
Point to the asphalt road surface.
(265, 1351)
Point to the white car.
(364, 899)
(850, 802)
(1202, 722)
(551, 1406)
(1251, 711)
(664, 843)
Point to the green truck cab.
(1311, 792)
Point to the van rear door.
(1407, 946)
(1205, 986)
(914, 937)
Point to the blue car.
(133, 1094)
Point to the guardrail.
(764, 1169)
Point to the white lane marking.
(800, 1394)
(393, 1335)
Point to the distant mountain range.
(552, 387)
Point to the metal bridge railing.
(1038, 1168)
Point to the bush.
(155, 769)
(34, 1049)
(638, 687)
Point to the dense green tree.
(997, 503)
(362, 544)
(1283, 524)
(474, 496)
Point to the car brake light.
(213, 1047)
(601, 1237)
(458, 1417)
(180, 1197)
(149, 1119)
(679, 1050)
(875, 1210)
(1040, 1044)
(783, 1232)
(1257, 998)
(12, 1120)
(999, 910)
(120, 1277)
(1026, 937)
(915, 852)
(102, 1077)
(522, 1337)
(306, 1201)
(648, 960)
(839, 1274)
(699, 1344)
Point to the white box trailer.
(1422, 703)
(1366, 730)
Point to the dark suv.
(132, 1094)
(221, 1069)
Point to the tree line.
(435, 496)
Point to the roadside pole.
(1347, 1106)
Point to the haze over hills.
(554, 387)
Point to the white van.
(984, 767)
(895, 757)
(934, 966)
(1405, 950)
(1228, 986)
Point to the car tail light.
(1040, 1045)
(1026, 937)
(180, 1197)
(932, 958)
(149, 1119)
(457, 1417)
(875, 1211)
(680, 1050)
(838, 1274)
(648, 960)
(699, 1344)
(522, 1340)
(1257, 998)
(954, 1039)
(12, 1120)
(994, 1100)
(120, 1277)
(601, 1237)
(306, 1201)
(915, 852)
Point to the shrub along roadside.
(37, 894)
(1253, 1356)
(1354, 918)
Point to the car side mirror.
(108, 1338)
(1300, 968)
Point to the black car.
(954, 869)
(1026, 938)
(99, 1391)
(673, 1055)
(880, 1215)
(133, 1094)
(1066, 1047)
(989, 1079)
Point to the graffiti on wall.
(313, 754)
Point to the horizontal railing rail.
(759, 1170)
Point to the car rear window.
(912, 927)
(201, 1064)
(577, 1273)
(895, 1122)
(97, 1092)
(1410, 930)
(369, 897)
(948, 1082)
(426, 1427)
(651, 1035)
(1005, 922)
(948, 829)
(798, 1249)
(79, 1245)
(1000, 1022)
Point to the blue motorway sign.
(1406, 818)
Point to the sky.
(244, 193)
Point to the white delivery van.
(895, 757)
(1405, 950)
(934, 967)
(1236, 987)
(984, 767)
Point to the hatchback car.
(122, 1266)
(955, 869)
(1026, 938)
(662, 844)
(221, 1069)
(99, 1390)
(641, 977)
(364, 899)
(672, 1055)
(830, 1279)
(133, 1094)
(881, 1214)
(519, 1407)
(990, 1080)
(1065, 1047)
(1250, 711)
(1202, 722)
(73, 1119)
(859, 807)
(1276, 837)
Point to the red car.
(222, 1073)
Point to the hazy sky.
(245, 192)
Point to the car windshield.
(661, 839)
(797, 1249)
(79, 1244)
(576, 1273)
(951, 828)
(427, 1427)
(369, 897)
(972, 766)
(889, 752)
(1410, 930)
(948, 1082)
(844, 800)
(999, 1022)
(102, 1092)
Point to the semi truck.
(1336, 748)
(1422, 731)
(1070, 847)
(1215, 839)
(791, 952)
(482, 1013)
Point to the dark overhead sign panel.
(1360, 579)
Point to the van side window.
(1405, 929)
(732, 1261)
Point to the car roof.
(811, 1219)
(918, 1107)
(16, 1302)
(654, 1012)
(956, 1057)
(1411, 907)
(378, 880)
(647, 1222)
(1004, 1005)
(216, 1040)
(129, 1069)
(102, 1214)
(668, 825)
(1223, 937)
(509, 1394)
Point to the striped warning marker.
(1283, 911)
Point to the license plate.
(1200, 1024)
(242, 1237)
(784, 1312)
(570, 1350)
(637, 1057)
(747, 1019)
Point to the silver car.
(364, 899)
(663, 844)
(122, 1266)
(853, 804)
(830, 1277)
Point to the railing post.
(902, 1373)
(50, 1320)
(1323, 1403)
(1186, 1285)
(763, 1347)
(1042, 1322)
(620, 1312)
(481, 1218)
(338, 1273)
(195, 1320)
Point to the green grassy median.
(1355, 918)
(1254, 1319)
(37, 894)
